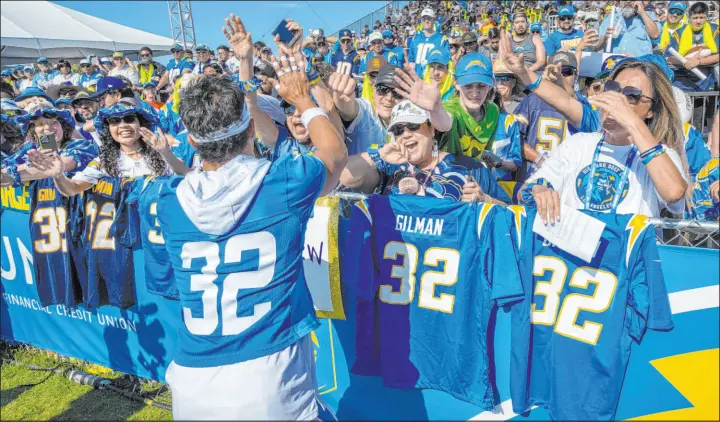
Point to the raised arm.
(159, 142)
(241, 42)
(552, 94)
(342, 88)
(328, 143)
(424, 95)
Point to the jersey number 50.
(564, 321)
(406, 273)
(204, 282)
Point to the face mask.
(628, 12)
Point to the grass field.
(62, 399)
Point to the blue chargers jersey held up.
(243, 292)
(441, 268)
(572, 335)
(110, 230)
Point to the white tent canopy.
(32, 29)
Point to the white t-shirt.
(568, 168)
(72, 78)
(127, 72)
(128, 168)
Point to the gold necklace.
(133, 153)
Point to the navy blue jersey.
(159, 275)
(571, 337)
(238, 262)
(50, 225)
(109, 231)
(440, 269)
(348, 64)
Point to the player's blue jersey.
(506, 144)
(389, 55)
(185, 152)
(440, 268)
(110, 230)
(695, 150)
(571, 337)
(159, 275)
(176, 68)
(242, 288)
(57, 278)
(420, 46)
(706, 208)
(544, 128)
(348, 64)
(399, 52)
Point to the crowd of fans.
(470, 101)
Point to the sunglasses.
(84, 104)
(565, 18)
(568, 71)
(675, 12)
(504, 78)
(346, 40)
(290, 110)
(596, 86)
(382, 90)
(536, 32)
(64, 106)
(129, 119)
(145, 55)
(84, 65)
(110, 92)
(398, 130)
(632, 94)
(470, 44)
(321, 44)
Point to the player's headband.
(235, 128)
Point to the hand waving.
(157, 141)
(423, 94)
(47, 161)
(516, 63)
(240, 40)
(293, 86)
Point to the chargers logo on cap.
(475, 63)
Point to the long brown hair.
(666, 122)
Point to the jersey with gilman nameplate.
(440, 267)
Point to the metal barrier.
(689, 233)
(704, 108)
(552, 21)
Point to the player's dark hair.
(698, 8)
(211, 104)
(110, 152)
(223, 47)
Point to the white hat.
(407, 112)
(374, 37)
(427, 12)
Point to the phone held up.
(48, 142)
(286, 36)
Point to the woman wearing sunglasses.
(635, 164)
(48, 131)
(129, 148)
(413, 164)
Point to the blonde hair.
(666, 121)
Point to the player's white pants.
(281, 386)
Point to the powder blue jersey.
(243, 293)
(348, 64)
(159, 275)
(110, 230)
(420, 46)
(440, 268)
(706, 207)
(695, 150)
(571, 337)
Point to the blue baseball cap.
(680, 5)
(19, 67)
(177, 47)
(655, 59)
(439, 57)
(474, 67)
(387, 33)
(608, 65)
(29, 69)
(33, 92)
(67, 101)
(6, 72)
(150, 83)
(200, 47)
(535, 27)
(42, 59)
(345, 33)
(566, 10)
(108, 83)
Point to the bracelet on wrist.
(649, 157)
(533, 86)
(250, 86)
(310, 114)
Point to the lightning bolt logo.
(636, 225)
(519, 213)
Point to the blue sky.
(259, 17)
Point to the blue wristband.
(526, 193)
(374, 153)
(250, 86)
(533, 86)
(649, 157)
(650, 151)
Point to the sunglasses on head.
(114, 121)
(565, 18)
(382, 90)
(632, 94)
(398, 130)
(568, 71)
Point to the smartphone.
(286, 36)
(490, 159)
(48, 142)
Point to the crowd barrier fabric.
(671, 375)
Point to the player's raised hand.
(293, 83)
(421, 93)
(515, 63)
(239, 39)
(342, 87)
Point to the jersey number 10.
(573, 303)
(406, 273)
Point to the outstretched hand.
(514, 62)
(239, 39)
(421, 93)
(293, 83)
(47, 161)
(157, 141)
